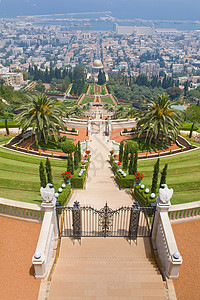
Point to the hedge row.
(124, 182)
(143, 198)
(187, 126)
(10, 125)
(78, 182)
(64, 195)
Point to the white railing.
(48, 235)
(44, 246)
(21, 209)
(181, 212)
(164, 243)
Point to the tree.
(40, 87)
(43, 181)
(125, 158)
(43, 115)
(163, 176)
(131, 164)
(48, 171)
(135, 162)
(70, 164)
(160, 121)
(193, 113)
(79, 151)
(155, 177)
(121, 150)
(191, 130)
(68, 147)
(76, 158)
(101, 77)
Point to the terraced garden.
(107, 100)
(19, 176)
(86, 100)
(183, 175)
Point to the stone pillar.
(89, 127)
(51, 207)
(109, 128)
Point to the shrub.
(79, 151)
(76, 161)
(125, 182)
(170, 151)
(73, 129)
(133, 129)
(27, 149)
(121, 150)
(143, 199)
(70, 164)
(155, 176)
(48, 171)
(52, 154)
(125, 130)
(43, 181)
(68, 147)
(65, 128)
(64, 138)
(163, 175)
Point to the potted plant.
(112, 152)
(86, 157)
(66, 177)
(115, 156)
(138, 178)
(88, 152)
(83, 163)
(119, 163)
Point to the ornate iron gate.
(130, 222)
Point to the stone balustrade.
(163, 240)
(23, 210)
(182, 212)
(48, 235)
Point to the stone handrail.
(164, 243)
(21, 209)
(182, 212)
(44, 246)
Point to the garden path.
(101, 186)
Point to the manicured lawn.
(19, 175)
(108, 100)
(87, 100)
(183, 175)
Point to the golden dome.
(97, 64)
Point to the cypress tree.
(121, 150)
(131, 164)
(48, 171)
(155, 176)
(135, 162)
(125, 158)
(191, 130)
(70, 164)
(163, 175)
(79, 151)
(43, 181)
(76, 160)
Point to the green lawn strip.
(107, 100)
(87, 100)
(23, 196)
(16, 156)
(185, 197)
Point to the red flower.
(87, 151)
(138, 176)
(119, 163)
(112, 151)
(115, 155)
(83, 163)
(66, 175)
(86, 155)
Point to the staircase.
(106, 268)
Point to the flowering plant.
(119, 163)
(86, 156)
(66, 175)
(111, 152)
(115, 156)
(83, 163)
(138, 176)
(87, 152)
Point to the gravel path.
(187, 286)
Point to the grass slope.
(183, 175)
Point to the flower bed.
(79, 182)
(143, 198)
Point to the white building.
(150, 69)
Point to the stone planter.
(138, 182)
(67, 181)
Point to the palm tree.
(43, 115)
(161, 121)
(120, 112)
(76, 111)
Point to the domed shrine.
(97, 65)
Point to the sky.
(144, 9)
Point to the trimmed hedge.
(78, 182)
(11, 124)
(125, 182)
(64, 195)
(187, 127)
(143, 198)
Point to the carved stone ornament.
(47, 193)
(165, 194)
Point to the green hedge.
(143, 198)
(125, 182)
(187, 127)
(64, 195)
(11, 124)
(78, 182)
